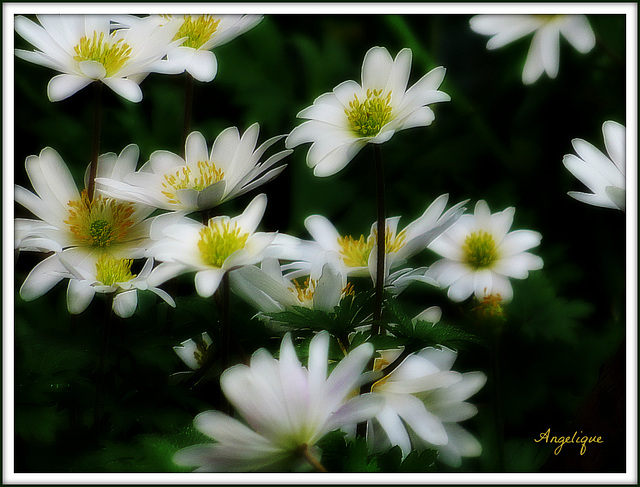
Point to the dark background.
(497, 140)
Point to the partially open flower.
(85, 48)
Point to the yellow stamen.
(367, 118)
(112, 55)
(100, 222)
(197, 29)
(356, 252)
(479, 250)
(218, 240)
(110, 271)
(206, 174)
(305, 291)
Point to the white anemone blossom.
(112, 276)
(358, 257)
(200, 34)
(269, 291)
(70, 223)
(424, 401)
(205, 179)
(193, 352)
(85, 48)
(480, 255)
(544, 53)
(184, 245)
(286, 409)
(604, 176)
(342, 122)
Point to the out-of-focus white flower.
(85, 49)
(358, 257)
(544, 53)
(287, 409)
(269, 291)
(200, 34)
(342, 122)
(193, 353)
(205, 179)
(481, 255)
(424, 401)
(208, 250)
(109, 276)
(68, 220)
(603, 175)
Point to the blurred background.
(561, 351)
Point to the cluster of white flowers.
(286, 408)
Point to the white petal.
(42, 278)
(203, 66)
(482, 283)
(124, 87)
(394, 429)
(323, 232)
(252, 215)
(614, 140)
(576, 29)
(125, 303)
(207, 282)
(92, 69)
(421, 421)
(79, 296)
(519, 241)
(64, 85)
(461, 289)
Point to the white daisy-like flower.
(604, 176)
(184, 245)
(67, 221)
(424, 401)
(193, 353)
(287, 409)
(358, 257)
(342, 122)
(200, 34)
(109, 275)
(480, 255)
(544, 53)
(269, 291)
(85, 48)
(205, 179)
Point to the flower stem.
(497, 401)
(106, 331)
(95, 148)
(304, 451)
(188, 109)
(381, 240)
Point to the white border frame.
(9, 10)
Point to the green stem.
(381, 241)
(95, 148)
(188, 109)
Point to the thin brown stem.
(381, 241)
(304, 451)
(188, 109)
(95, 148)
(104, 348)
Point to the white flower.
(287, 409)
(358, 257)
(344, 121)
(424, 401)
(200, 34)
(192, 353)
(84, 48)
(108, 275)
(603, 175)
(269, 291)
(205, 179)
(544, 53)
(481, 255)
(68, 220)
(184, 245)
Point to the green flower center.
(356, 252)
(110, 271)
(479, 250)
(112, 55)
(197, 30)
(366, 118)
(218, 240)
(206, 174)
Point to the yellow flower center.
(218, 240)
(99, 223)
(197, 30)
(206, 174)
(110, 271)
(112, 55)
(367, 118)
(479, 250)
(200, 354)
(356, 252)
(305, 291)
